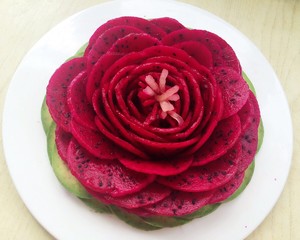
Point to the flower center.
(159, 92)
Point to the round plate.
(64, 216)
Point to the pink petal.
(176, 116)
(149, 91)
(165, 96)
(152, 84)
(166, 106)
(163, 79)
(174, 97)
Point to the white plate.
(64, 216)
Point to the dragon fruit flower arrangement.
(153, 122)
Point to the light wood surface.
(274, 26)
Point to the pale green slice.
(46, 117)
(132, 219)
(96, 205)
(61, 169)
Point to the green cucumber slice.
(250, 84)
(202, 211)
(61, 170)
(96, 205)
(161, 221)
(132, 219)
(248, 175)
(261, 133)
(45, 116)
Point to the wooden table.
(274, 26)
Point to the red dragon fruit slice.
(225, 191)
(149, 195)
(249, 136)
(198, 51)
(174, 52)
(155, 50)
(210, 123)
(97, 72)
(227, 54)
(222, 53)
(207, 177)
(119, 141)
(81, 110)
(107, 67)
(256, 116)
(187, 35)
(235, 90)
(179, 203)
(224, 136)
(140, 23)
(56, 96)
(249, 139)
(133, 42)
(230, 59)
(62, 140)
(107, 39)
(246, 113)
(94, 142)
(167, 24)
(163, 167)
(108, 177)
